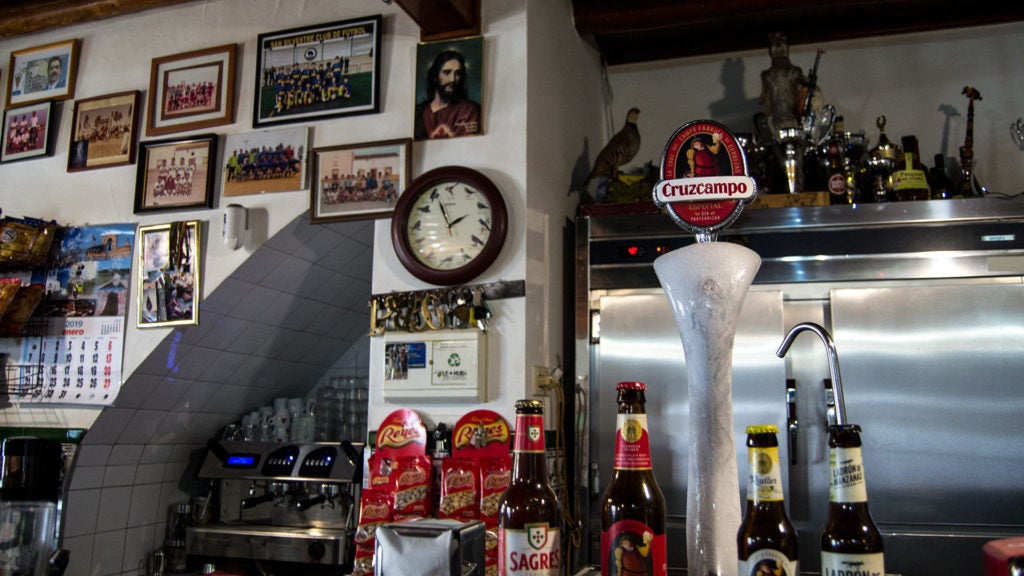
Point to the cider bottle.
(850, 540)
(767, 541)
(633, 508)
(529, 515)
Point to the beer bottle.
(766, 538)
(529, 515)
(910, 181)
(633, 508)
(850, 541)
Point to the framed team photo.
(103, 131)
(42, 73)
(318, 72)
(359, 181)
(28, 132)
(265, 161)
(169, 264)
(192, 90)
(176, 174)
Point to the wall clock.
(449, 226)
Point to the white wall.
(907, 78)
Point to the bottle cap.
(530, 406)
(631, 386)
(763, 429)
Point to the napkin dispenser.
(430, 546)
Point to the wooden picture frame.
(192, 90)
(28, 132)
(176, 174)
(358, 181)
(459, 112)
(42, 73)
(169, 265)
(103, 131)
(318, 72)
(265, 161)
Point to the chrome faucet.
(833, 363)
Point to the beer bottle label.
(535, 550)
(846, 483)
(631, 547)
(768, 561)
(529, 434)
(833, 564)
(765, 483)
(632, 443)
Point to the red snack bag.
(380, 472)
(495, 475)
(460, 495)
(374, 510)
(412, 477)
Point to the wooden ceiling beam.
(27, 17)
(442, 19)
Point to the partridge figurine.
(620, 149)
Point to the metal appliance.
(925, 301)
(284, 503)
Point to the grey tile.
(84, 477)
(227, 329)
(108, 552)
(80, 548)
(156, 454)
(113, 510)
(142, 426)
(165, 394)
(119, 475)
(81, 508)
(125, 454)
(261, 263)
(225, 297)
(253, 304)
(138, 543)
(224, 367)
(227, 399)
(197, 396)
(195, 361)
(253, 339)
(92, 454)
(145, 502)
(135, 390)
(149, 474)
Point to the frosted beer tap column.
(706, 284)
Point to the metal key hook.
(833, 362)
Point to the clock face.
(449, 226)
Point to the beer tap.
(833, 362)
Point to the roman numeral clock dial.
(449, 226)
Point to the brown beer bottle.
(766, 537)
(529, 515)
(850, 541)
(633, 508)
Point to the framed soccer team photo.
(265, 161)
(192, 90)
(176, 174)
(42, 73)
(29, 132)
(449, 89)
(360, 181)
(169, 264)
(318, 72)
(103, 131)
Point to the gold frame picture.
(169, 265)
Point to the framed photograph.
(360, 181)
(29, 132)
(265, 161)
(169, 264)
(175, 174)
(449, 89)
(318, 72)
(103, 131)
(192, 90)
(42, 73)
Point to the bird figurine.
(620, 149)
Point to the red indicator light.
(633, 250)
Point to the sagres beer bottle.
(850, 541)
(633, 509)
(767, 541)
(529, 516)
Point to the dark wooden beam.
(442, 19)
(22, 17)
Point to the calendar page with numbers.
(71, 352)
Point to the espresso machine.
(294, 505)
